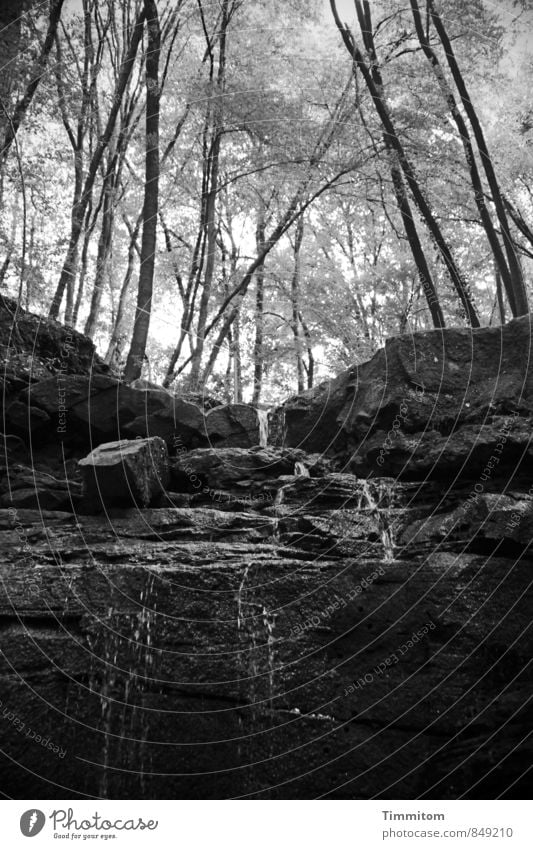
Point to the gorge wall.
(346, 614)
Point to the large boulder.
(179, 422)
(129, 471)
(422, 399)
(184, 424)
(86, 409)
(34, 348)
(233, 426)
(225, 467)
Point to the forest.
(244, 198)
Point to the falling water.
(141, 674)
(102, 681)
(278, 501)
(262, 415)
(268, 625)
(240, 597)
(257, 633)
(125, 663)
(371, 503)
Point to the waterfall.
(262, 415)
(123, 657)
(371, 503)
(257, 654)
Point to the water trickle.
(301, 470)
(268, 625)
(278, 501)
(139, 678)
(121, 672)
(258, 656)
(262, 415)
(105, 691)
(371, 497)
(240, 596)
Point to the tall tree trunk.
(499, 296)
(68, 272)
(237, 367)
(310, 369)
(398, 184)
(295, 303)
(102, 258)
(151, 198)
(115, 342)
(10, 49)
(83, 274)
(259, 310)
(407, 168)
(518, 298)
(36, 75)
(475, 179)
(211, 198)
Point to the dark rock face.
(63, 394)
(351, 639)
(23, 487)
(82, 411)
(33, 348)
(233, 426)
(273, 625)
(431, 403)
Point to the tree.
(514, 278)
(14, 121)
(151, 197)
(404, 162)
(81, 203)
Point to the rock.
(35, 348)
(224, 467)
(66, 391)
(281, 657)
(233, 426)
(85, 410)
(24, 487)
(180, 423)
(183, 425)
(25, 419)
(274, 623)
(201, 399)
(141, 383)
(422, 390)
(503, 444)
(128, 471)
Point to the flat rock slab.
(128, 471)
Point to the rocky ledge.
(208, 621)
